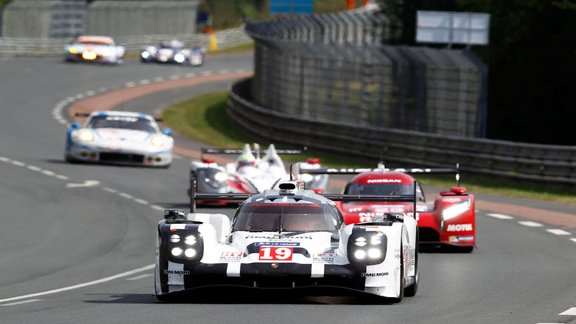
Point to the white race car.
(288, 239)
(101, 49)
(250, 173)
(119, 137)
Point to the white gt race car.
(289, 239)
(101, 49)
(119, 137)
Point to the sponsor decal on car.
(327, 257)
(455, 239)
(277, 243)
(451, 199)
(177, 272)
(373, 274)
(459, 227)
(384, 181)
(231, 256)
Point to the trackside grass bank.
(204, 119)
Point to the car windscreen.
(380, 189)
(288, 217)
(124, 122)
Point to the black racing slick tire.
(411, 290)
(401, 281)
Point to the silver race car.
(119, 137)
(289, 239)
(101, 49)
(172, 52)
(250, 173)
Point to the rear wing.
(219, 151)
(381, 168)
(239, 197)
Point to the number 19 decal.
(273, 253)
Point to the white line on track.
(4, 159)
(162, 208)
(22, 302)
(499, 216)
(62, 177)
(146, 275)
(110, 190)
(82, 285)
(175, 77)
(530, 224)
(158, 79)
(144, 81)
(569, 312)
(18, 163)
(141, 201)
(573, 240)
(125, 195)
(48, 172)
(557, 231)
(34, 168)
(130, 84)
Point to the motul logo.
(459, 227)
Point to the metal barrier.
(334, 68)
(548, 165)
(46, 46)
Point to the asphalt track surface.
(77, 241)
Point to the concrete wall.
(122, 18)
(68, 18)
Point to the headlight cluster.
(214, 178)
(158, 140)
(185, 246)
(179, 57)
(367, 248)
(84, 135)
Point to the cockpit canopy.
(287, 217)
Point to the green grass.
(204, 119)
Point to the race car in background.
(172, 52)
(289, 239)
(449, 221)
(119, 137)
(250, 173)
(100, 49)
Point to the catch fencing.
(337, 68)
(550, 166)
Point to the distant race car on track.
(101, 49)
(250, 173)
(450, 221)
(118, 137)
(289, 239)
(172, 52)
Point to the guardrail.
(544, 164)
(55, 46)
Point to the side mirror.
(75, 125)
(167, 131)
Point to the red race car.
(450, 221)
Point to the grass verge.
(204, 119)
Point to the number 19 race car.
(450, 221)
(250, 173)
(172, 52)
(119, 137)
(289, 239)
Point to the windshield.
(293, 217)
(124, 122)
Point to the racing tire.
(401, 294)
(411, 290)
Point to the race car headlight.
(179, 58)
(73, 50)
(145, 55)
(213, 177)
(85, 135)
(190, 253)
(367, 248)
(176, 251)
(190, 240)
(158, 140)
(455, 210)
